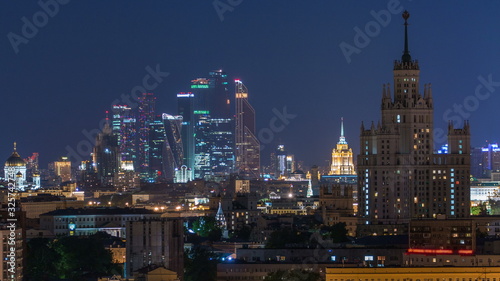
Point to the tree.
(293, 275)
(200, 264)
(40, 259)
(337, 232)
(70, 257)
(207, 227)
(83, 257)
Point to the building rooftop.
(99, 211)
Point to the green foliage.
(40, 259)
(337, 232)
(293, 275)
(475, 211)
(494, 207)
(207, 227)
(200, 264)
(71, 257)
(482, 208)
(281, 238)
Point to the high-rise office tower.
(88, 175)
(247, 145)
(185, 108)
(173, 153)
(342, 160)
(32, 167)
(156, 149)
(200, 88)
(146, 115)
(290, 164)
(203, 145)
(63, 169)
(214, 149)
(124, 128)
(213, 126)
(486, 160)
(221, 134)
(280, 158)
(220, 102)
(106, 155)
(399, 176)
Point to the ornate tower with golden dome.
(342, 159)
(15, 169)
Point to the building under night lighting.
(342, 159)
(185, 108)
(173, 153)
(106, 156)
(247, 145)
(146, 115)
(124, 127)
(399, 176)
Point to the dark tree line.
(70, 257)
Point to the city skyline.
(70, 72)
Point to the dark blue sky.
(286, 52)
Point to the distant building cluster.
(182, 194)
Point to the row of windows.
(104, 219)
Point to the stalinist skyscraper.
(399, 175)
(342, 160)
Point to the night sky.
(287, 53)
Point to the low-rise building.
(246, 271)
(448, 234)
(34, 206)
(414, 273)
(88, 221)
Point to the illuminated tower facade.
(399, 175)
(146, 115)
(173, 154)
(32, 167)
(247, 145)
(342, 158)
(63, 169)
(123, 125)
(156, 150)
(213, 126)
(220, 103)
(185, 108)
(106, 155)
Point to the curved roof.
(15, 160)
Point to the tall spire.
(342, 138)
(406, 54)
(15, 146)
